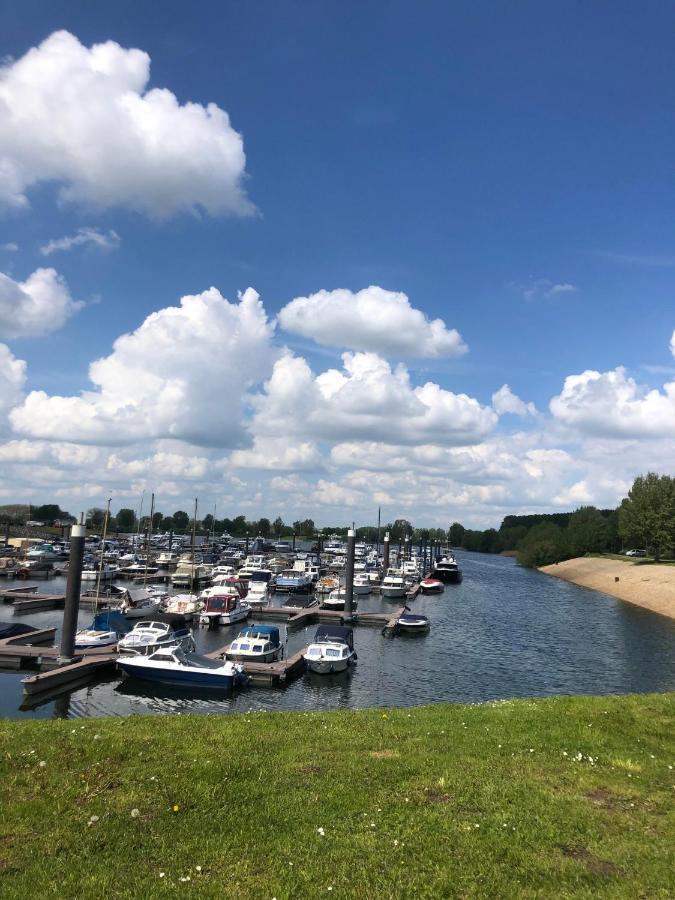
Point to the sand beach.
(650, 586)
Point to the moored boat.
(332, 650)
(256, 643)
(412, 622)
(160, 631)
(105, 630)
(431, 585)
(393, 586)
(175, 666)
(447, 570)
(336, 600)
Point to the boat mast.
(147, 546)
(138, 525)
(194, 529)
(100, 562)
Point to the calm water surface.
(503, 632)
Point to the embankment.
(651, 586)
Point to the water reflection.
(503, 632)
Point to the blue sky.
(472, 156)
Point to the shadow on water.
(503, 632)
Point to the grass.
(633, 560)
(568, 797)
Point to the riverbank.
(570, 795)
(650, 586)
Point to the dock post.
(385, 553)
(349, 575)
(293, 543)
(406, 547)
(431, 554)
(71, 606)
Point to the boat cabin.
(334, 634)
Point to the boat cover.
(339, 634)
(270, 631)
(14, 629)
(110, 620)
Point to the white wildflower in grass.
(184, 878)
(97, 737)
(92, 820)
(372, 825)
(135, 813)
(198, 868)
(162, 874)
(42, 763)
(321, 831)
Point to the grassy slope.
(435, 801)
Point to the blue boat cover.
(271, 631)
(110, 620)
(338, 634)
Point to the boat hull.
(179, 678)
(327, 666)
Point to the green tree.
(181, 520)
(49, 513)
(542, 545)
(586, 531)
(157, 520)
(95, 517)
(264, 527)
(278, 526)
(126, 520)
(456, 534)
(647, 515)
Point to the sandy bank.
(649, 586)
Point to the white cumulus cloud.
(612, 404)
(104, 240)
(182, 374)
(34, 307)
(505, 401)
(82, 117)
(372, 319)
(12, 380)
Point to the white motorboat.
(393, 586)
(327, 584)
(149, 635)
(361, 583)
(336, 600)
(175, 666)
(258, 594)
(140, 606)
(256, 643)
(189, 574)
(431, 585)
(186, 605)
(411, 622)
(92, 572)
(224, 609)
(332, 650)
(167, 559)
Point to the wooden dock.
(28, 601)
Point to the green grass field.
(568, 797)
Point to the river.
(504, 632)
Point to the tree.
(49, 513)
(586, 532)
(264, 527)
(95, 517)
(542, 545)
(126, 520)
(157, 519)
(456, 534)
(181, 520)
(239, 525)
(647, 515)
(278, 526)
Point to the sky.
(311, 259)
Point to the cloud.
(505, 401)
(372, 319)
(278, 454)
(367, 400)
(35, 307)
(105, 240)
(612, 404)
(544, 288)
(12, 380)
(182, 374)
(9, 247)
(84, 119)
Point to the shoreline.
(650, 586)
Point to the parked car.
(636, 552)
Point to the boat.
(189, 573)
(332, 650)
(140, 606)
(224, 608)
(20, 629)
(447, 570)
(361, 583)
(42, 552)
(301, 601)
(186, 605)
(412, 622)
(160, 631)
(167, 559)
(327, 584)
(256, 643)
(176, 666)
(258, 592)
(106, 629)
(294, 581)
(336, 600)
(393, 586)
(431, 585)
(93, 571)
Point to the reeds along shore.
(649, 586)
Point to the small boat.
(140, 606)
(184, 605)
(224, 608)
(161, 631)
(92, 572)
(361, 583)
(189, 574)
(256, 643)
(176, 666)
(393, 586)
(106, 629)
(336, 600)
(167, 559)
(294, 581)
(301, 601)
(431, 585)
(412, 622)
(332, 650)
(327, 584)
(258, 593)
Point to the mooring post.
(247, 543)
(385, 553)
(431, 555)
(294, 543)
(349, 574)
(170, 541)
(72, 603)
(406, 547)
(424, 556)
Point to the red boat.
(431, 586)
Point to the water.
(504, 632)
